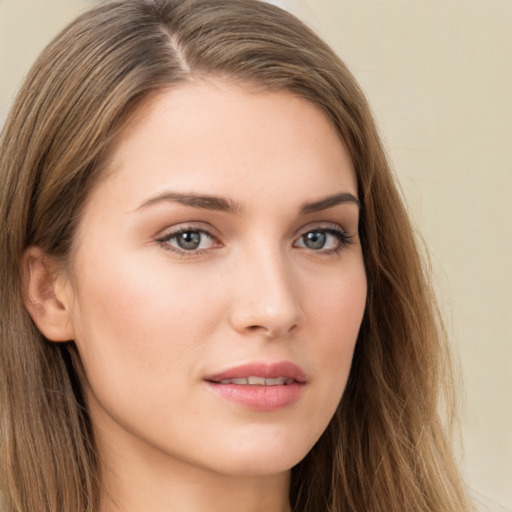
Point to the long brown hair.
(385, 449)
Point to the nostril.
(256, 328)
(269, 331)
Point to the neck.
(133, 480)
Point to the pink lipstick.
(260, 386)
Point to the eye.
(188, 240)
(324, 240)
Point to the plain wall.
(438, 75)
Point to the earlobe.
(47, 295)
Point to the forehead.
(216, 136)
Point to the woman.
(211, 293)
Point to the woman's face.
(218, 285)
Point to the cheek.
(336, 310)
(336, 304)
(135, 321)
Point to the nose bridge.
(266, 300)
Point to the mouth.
(258, 381)
(260, 386)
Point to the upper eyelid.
(322, 226)
(188, 226)
(211, 231)
(207, 228)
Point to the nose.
(266, 298)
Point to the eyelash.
(343, 239)
(165, 239)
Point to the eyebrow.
(205, 202)
(329, 202)
(221, 204)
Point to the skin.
(151, 320)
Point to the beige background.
(439, 77)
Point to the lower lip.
(260, 398)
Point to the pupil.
(189, 240)
(314, 240)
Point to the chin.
(263, 460)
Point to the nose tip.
(267, 305)
(268, 324)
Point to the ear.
(47, 295)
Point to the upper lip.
(261, 369)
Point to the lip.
(260, 397)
